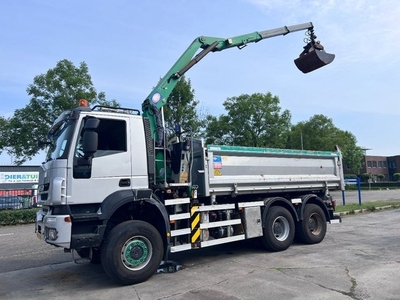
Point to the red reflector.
(67, 219)
(334, 204)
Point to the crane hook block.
(313, 57)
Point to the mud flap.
(315, 59)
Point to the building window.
(374, 164)
(379, 164)
(369, 164)
(384, 164)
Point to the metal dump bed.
(244, 170)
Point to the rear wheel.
(132, 252)
(312, 228)
(278, 229)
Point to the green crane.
(311, 58)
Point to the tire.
(132, 252)
(279, 229)
(96, 256)
(312, 228)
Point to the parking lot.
(359, 259)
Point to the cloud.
(367, 30)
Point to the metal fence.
(15, 202)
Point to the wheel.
(132, 252)
(312, 228)
(278, 229)
(85, 252)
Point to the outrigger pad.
(315, 59)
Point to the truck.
(114, 191)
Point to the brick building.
(385, 165)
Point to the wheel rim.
(136, 253)
(315, 224)
(281, 228)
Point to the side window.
(111, 140)
(112, 137)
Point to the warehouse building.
(18, 186)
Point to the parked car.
(11, 202)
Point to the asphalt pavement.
(358, 259)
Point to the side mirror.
(91, 124)
(89, 143)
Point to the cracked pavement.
(359, 259)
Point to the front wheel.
(132, 252)
(312, 228)
(278, 231)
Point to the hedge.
(20, 216)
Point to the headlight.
(50, 220)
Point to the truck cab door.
(108, 167)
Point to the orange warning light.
(84, 103)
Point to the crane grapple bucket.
(313, 58)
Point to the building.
(19, 181)
(393, 166)
(385, 165)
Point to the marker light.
(83, 103)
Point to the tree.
(181, 108)
(366, 176)
(3, 132)
(51, 93)
(319, 133)
(252, 120)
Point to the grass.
(370, 206)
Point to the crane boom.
(159, 95)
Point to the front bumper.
(53, 229)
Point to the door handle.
(125, 182)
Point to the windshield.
(60, 135)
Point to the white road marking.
(5, 234)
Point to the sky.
(129, 45)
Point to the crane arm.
(159, 95)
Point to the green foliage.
(3, 133)
(21, 216)
(252, 120)
(319, 133)
(181, 108)
(350, 176)
(396, 176)
(369, 206)
(51, 93)
(366, 176)
(381, 176)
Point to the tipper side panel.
(244, 170)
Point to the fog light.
(52, 234)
